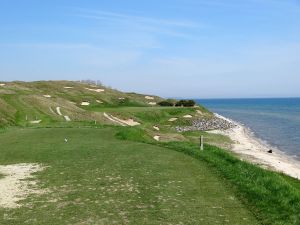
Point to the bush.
(165, 103)
(185, 103)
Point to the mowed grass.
(98, 179)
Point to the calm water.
(276, 121)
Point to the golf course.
(95, 155)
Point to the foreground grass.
(98, 179)
(273, 198)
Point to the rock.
(208, 124)
(172, 119)
(270, 151)
(188, 116)
(152, 103)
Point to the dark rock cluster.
(207, 124)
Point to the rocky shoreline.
(208, 124)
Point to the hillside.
(69, 103)
(76, 153)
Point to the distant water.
(276, 121)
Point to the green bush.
(185, 103)
(165, 103)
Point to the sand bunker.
(100, 102)
(85, 103)
(58, 111)
(152, 103)
(96, 90)
(1, 85)
(68, 87)
(47, 96)
(188, 116)
(157, 138)
(156, 128)
(129, 122)
(67, 118)
(149, 97)
(35, 121)
(172, 119)
(15, 186)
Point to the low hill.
(25, 103)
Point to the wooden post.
(201, 143)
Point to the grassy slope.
(91, 182)
(271, 197)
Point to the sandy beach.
(252, 149)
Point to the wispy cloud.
(143, 25)
(47, 45)
(112, 16)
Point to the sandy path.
(255, 151)
(14, 186)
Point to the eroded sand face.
(15, 186)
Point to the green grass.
(98, 179)
(120, 175)
(273, 198)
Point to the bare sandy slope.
(15, 186)
(255, 151)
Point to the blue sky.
(182, 48)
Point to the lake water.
(275, 121)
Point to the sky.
(171, 48)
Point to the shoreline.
(251, 149)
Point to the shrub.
(165, 103)
(185, 103)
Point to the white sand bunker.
(67, 118)
(149, 97)
(15, 186)
(68, 87)
(96, 90)
(47, 96)
(2, 85)
(58, 111)
(129, 122)
(152, 103)
(100, 102)
(85, 103)
(188, 116)
(172, 119)
(35, 121)
(156, 128)
(156, 138)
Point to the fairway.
(97, 179)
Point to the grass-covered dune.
(108, 174)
